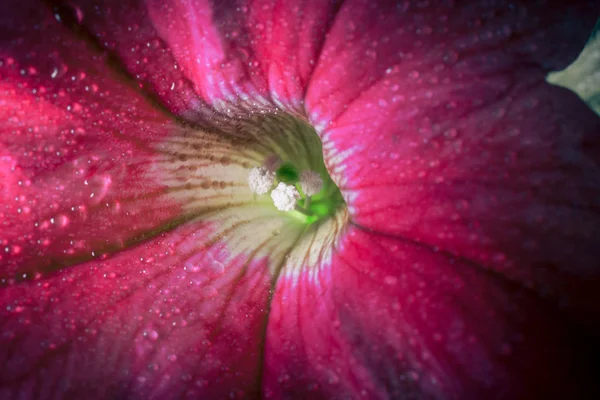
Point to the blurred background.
(583, 75)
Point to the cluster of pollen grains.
(261, 185)
(290, 190)
(261, 180)
(285, 197)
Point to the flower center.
(308, 196)
(261, 184)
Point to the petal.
(263, 52)
(393, 319)
(123, 29)
(479, 265)
(390, 51)
(89, 166)
(174, 318)
(76, 149)
(444, 132)
(490, 195)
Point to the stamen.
(285, 197)
(303, 210)
(261, 180)
(311, 182)
(307, 202)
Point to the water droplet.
(499, 258)
(425, 30)
(68, 14)
(62, 220)
(451, 133)
(390, 280)
(58, 71)
(333, 378)
(450, 57)
(153, 335)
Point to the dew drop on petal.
(153, 335)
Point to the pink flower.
(136, 263)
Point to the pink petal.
(392, 57)
(439, 126)
(173, 318)
(393, 319)
(124, 29)
(76, 150)
(450, 150)
(261, 51)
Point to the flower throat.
(294, 175)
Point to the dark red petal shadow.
(391, 319)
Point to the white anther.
(311, 182)
(285, 197)
(260, 180)
(272, 163)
